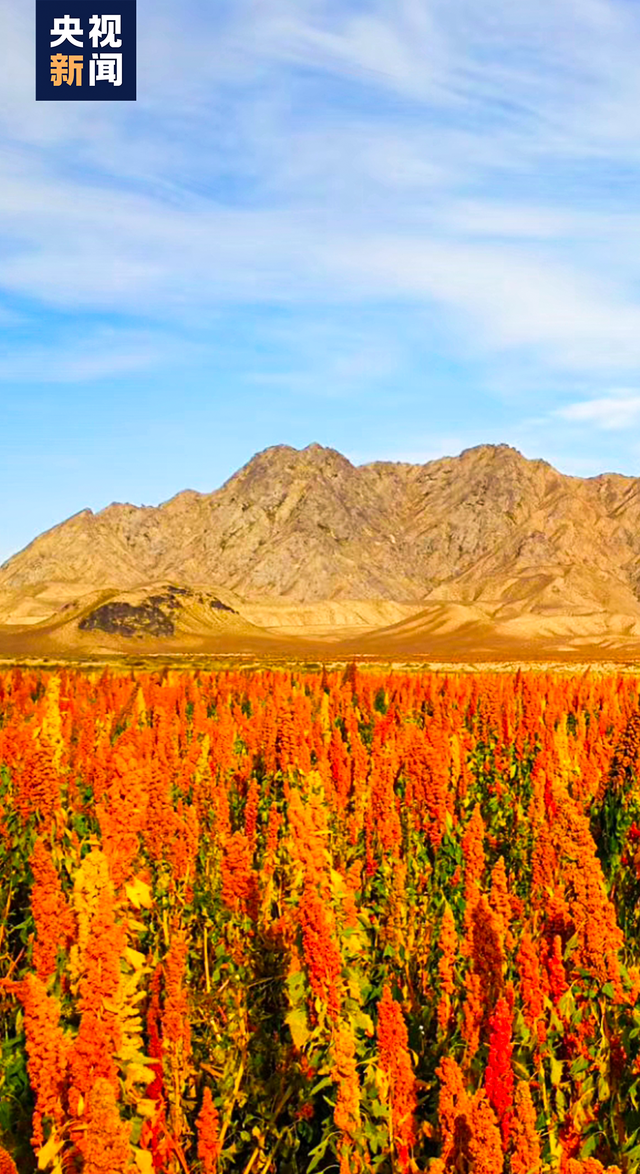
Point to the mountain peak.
(313, 451)
(493, 450)
(284, 460)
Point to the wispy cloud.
(618, 410)
(226, 187)
(103, 355)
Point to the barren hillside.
(306, 544)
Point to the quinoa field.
(292, 921)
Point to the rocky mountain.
(305, 544)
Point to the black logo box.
(47, 11)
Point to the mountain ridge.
(489, 531)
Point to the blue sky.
(397, 228)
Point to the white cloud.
(616, 411)
(371, 46)
(79, 246)
(230, 182)
(510, 297)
